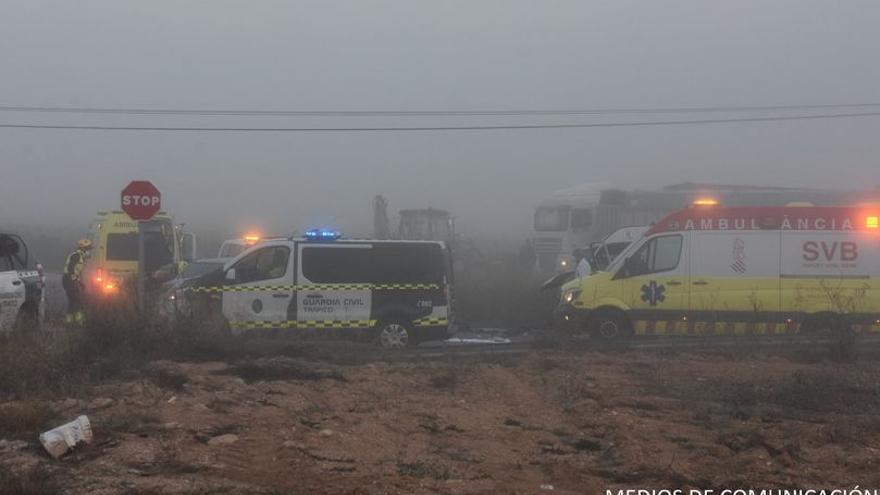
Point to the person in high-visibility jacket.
(72, 280)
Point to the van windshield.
(230, 250)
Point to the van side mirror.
(230, 275)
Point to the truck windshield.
(552, 218)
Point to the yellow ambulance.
(113, 263)
(714, 270)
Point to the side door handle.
(16, 282)
(700, 282)
(279, 296)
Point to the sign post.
(141, 200)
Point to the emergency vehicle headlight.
(872, 222)
(570, 296)
(563, 263)
(322, 235)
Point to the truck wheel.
(608, 326)
(395, 334)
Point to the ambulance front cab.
(713, 270)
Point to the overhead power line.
(426, 113)
(442, 128)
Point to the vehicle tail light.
(99, 275)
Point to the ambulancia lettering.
(740, 223)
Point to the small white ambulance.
(709, 269)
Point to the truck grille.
(547, 244)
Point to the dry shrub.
(113, 341)
(823, 390)
(22, 419)
(281, 368)
(448, 379)
(421, 469)
(34, 481)
(37, 364)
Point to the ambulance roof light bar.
(322, 235)
(250, 239)
(705, 202)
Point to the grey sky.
(414, 55)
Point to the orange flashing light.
(706, 202)
(251, 239)
(872, 222)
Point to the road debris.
(62, 439)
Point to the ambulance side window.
(263, 264)
(660, 254)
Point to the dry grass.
(34, 481)
(21, 419)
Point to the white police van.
(21, 285)
(397, 292)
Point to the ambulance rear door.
(830, 271)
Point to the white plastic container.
(59, 441)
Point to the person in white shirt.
(583, 268)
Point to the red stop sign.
(141, 200)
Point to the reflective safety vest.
(73, 266)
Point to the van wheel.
(395, 334)
(608, 326)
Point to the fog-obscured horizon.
(401, 55)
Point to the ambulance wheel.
(608, 326)
(395, 334)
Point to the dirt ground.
(552, 421)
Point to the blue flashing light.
(322, 235)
